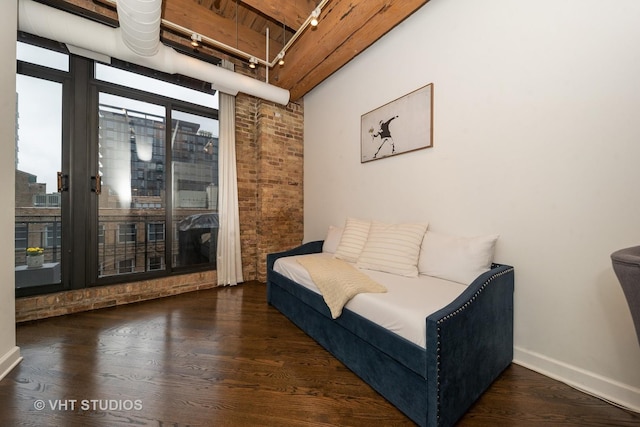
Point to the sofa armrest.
(306, 248)
(469, 343)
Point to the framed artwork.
(402, 125)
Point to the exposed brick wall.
(269, 155)
(60, 303)
(246, 160)
(280, 175)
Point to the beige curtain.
(229, 256)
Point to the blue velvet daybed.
(469, 343)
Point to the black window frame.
(83, 271)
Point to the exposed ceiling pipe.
(54, 24)
(235, 51)
(140, 25)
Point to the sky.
(40, 110)
(40, 129)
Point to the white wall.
(9, 353)
(536, 137)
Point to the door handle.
(63, 182)
(96, 184)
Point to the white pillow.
(354, 236)
(332, 240)
(459, 259)
(393, 248)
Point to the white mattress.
(402, 309)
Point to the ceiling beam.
(201, 20)
(291, 13)
(346, 28)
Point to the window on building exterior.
(148, 194)
(53, 235)
(156, 263)
(125, 266)
(155, 232)
(101, 231)
(126, 233)
(21, 236)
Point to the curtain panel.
(229, 256)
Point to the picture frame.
(400, 126)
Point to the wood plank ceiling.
(346, 28)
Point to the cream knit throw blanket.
(338, 281)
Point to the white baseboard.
(9, 361)
(601, 387)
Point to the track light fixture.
(314, 17)
(195, 40)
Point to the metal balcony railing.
(126, 243)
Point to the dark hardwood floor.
(223, 357)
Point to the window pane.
(38, 159)
(101, 234)
(126, 233)
(195, 188)
(53, 235)
(155, 232)
(131, 145)
(41, 56)
(129, 79)
(126, 266)
(156, 263)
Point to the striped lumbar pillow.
(393, 248)
(354, 236)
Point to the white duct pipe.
(140, 25)
(54, 24)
